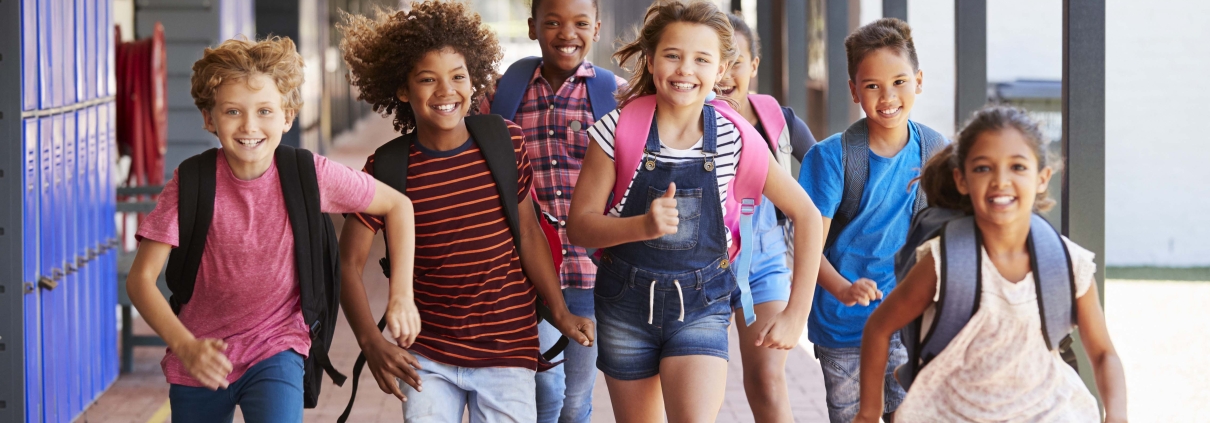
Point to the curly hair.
(381, 52)
(659, 15)
(883, 33)
(240, 60)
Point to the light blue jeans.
(492, 394)
(565, 392)
(270, 391)
(842, 380)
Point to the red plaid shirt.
(556, 138)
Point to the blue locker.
(106, 12)
(106, 148)
(86, 25)
(67, 22)
(58, 97)
(71, 280)
(47, 270)
(29, 274)
(60, 295)
(103, 50)
(92, 242)
(29, 55)
(79, 29)
(45, 96)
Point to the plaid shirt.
(556, 137)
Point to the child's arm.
(203, 358)
(589, 228)
(540, 269)
(387, 361)
(849, 293)
(784, 329)
(403, 320)
(1111, 379)
(907, 302)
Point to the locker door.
(106, 149)
(111, 85)
(92, 242)
(61, 337)
(104, 49)
(45, 97)
(29, 274)
(87, 23)
(46, 269)
(79, 31)
(29, 55)
(58, 97)
(67, 21)
(71, 280)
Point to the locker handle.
(89, 254)
(46, 283)
(28, 287)
(81, 261)
(56, 274)
(69, 268)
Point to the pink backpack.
(743, 195)
(769, 111)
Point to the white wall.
(1157, 157)
(933, 34)
(1024, 40)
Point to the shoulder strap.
(195, 211)
(960, 285)
(855, 158)
(1054, 280)
(396, 153)
(629, 139)
(771, 117)
(748, 186)
(491, 135)
(601, 90)
(930, 143)
(511, 88)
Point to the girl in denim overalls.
(666, 274)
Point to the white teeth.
(250, 142)
(890, 112)
(1003, 200)
(682, 86)
(446, 107)
(569, 49)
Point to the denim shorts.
(770, 274)
(842, 379)
(641, 319)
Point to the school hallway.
(141, 396)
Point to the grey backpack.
(960, 283)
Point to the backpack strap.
(1054, 279)
(601, 90)
(195, 210)
(961, 264)
(511, 88)
(491, 135)
(930, 143)
(396, 152)
(773, 119)
(854, 157)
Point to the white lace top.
(998, 367)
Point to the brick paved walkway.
(137, 396)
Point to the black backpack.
(960, 283)
(855, 158)
(316, 253)
(491, 134)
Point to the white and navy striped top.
(602, 132)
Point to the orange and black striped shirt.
(476, 306)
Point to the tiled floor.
(138, 396)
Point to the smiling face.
(886, 87)
(686, 64)
(1001, 176)
(249, 121)
(740, 75)
(439, 90)
(565, 30)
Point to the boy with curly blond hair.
(250, 320)
(474, 289)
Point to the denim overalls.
(668, 296)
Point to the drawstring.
(651, 302)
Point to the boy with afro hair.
(474, 290)
(242, 331)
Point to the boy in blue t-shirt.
(884, 77)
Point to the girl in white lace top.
(999, 366)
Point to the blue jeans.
(270, 391)
(492, 394)
(842, 379)
(565, 392)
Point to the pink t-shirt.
(247, 291)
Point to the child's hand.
(782, 331)
(205, 361)
(576, 328)
(662, 216)
(861, 292)
(389, 363)
(403, 321)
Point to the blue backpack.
(511, 89)
(960, 285)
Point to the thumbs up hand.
(662, 216)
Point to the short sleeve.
(932, 248)
(602, 132)
(822, 175)
(342, 189)
(162, 223)
(375, 223)
(525, 172)
(1083, 266)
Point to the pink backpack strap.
(769, 111)
(747, 187)
(629, 139)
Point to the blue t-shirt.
(866, 247)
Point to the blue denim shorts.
(770, 274)
(641, 319)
